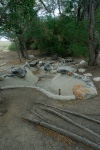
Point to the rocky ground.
(17, 133)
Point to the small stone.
(31, 56)
(2, 64)
(1, 78)
(88, 74)
(77, 75)
(81, 70)
(68, 60)
(40, 63)
(83, 63)
(47, 67)
(70, 73)
(96, 79)
(86, 79)
(65, 69)
(84, 92)
(33, 64)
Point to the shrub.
(12, 47)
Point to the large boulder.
(84, 91)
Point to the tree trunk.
(23, 48)
(89, 13)
(92, 58)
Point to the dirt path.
(16, 133)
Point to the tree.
(15, 18)
(90, 7)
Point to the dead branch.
(73, 113)
(71, 121)
(63, 132)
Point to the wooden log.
(71, 121)
(73, 113)
(63, 132)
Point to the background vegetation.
(62, 27)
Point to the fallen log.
(63, 132)
(71, 121)
(70, 112)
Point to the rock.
(96, 79)
(77, 76)
(1, 78)
(31, 56)
(68, 60)
(88, 74)
(65, 69)
(34, 64)
(47, 67)
(2, 64)
(90, 83)
(40, 63)
(83, 63)
(54, 57)
(84, 91)
(81, 70)
(54, 71)
(86, 79)
(20, 72)
(70, 73)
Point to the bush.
(12, 47)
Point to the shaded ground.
(18, 134)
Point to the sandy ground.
(18, 134)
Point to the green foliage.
(64, 36)
(12, 47)
(33, 46)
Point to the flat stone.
(65, 69)
(96, 79)
(33, 64)
(88, 74)
(68, 60)
(84, 91)
(81, 70)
